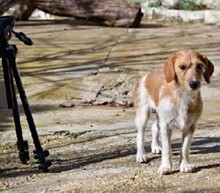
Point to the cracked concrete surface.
(78, 78)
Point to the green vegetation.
(134, 1)
(183, 4)
(188, 5)
(157, 3)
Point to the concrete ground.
(78, 78)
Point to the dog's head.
(187, 67)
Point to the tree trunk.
(106, 12)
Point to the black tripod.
(8, 54)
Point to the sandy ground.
(78, 78)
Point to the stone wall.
(167, 13)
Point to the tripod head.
(6, 31)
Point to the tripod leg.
(12, 103)
(7, 79)
(39, 153)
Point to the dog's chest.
(181, 118)
(178, 114)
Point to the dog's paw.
(141, 158)
(164, 169)
(186, 168)
(156, 149)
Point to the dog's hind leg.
(155, 144)
(141, 119)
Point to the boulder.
(209, 4)
(212, 17)
(170, 4)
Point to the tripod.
(8, 54)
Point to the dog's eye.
(182, 67)
(199, 66)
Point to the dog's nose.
(194, 84)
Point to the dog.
(174, 96)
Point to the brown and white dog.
(175, 97)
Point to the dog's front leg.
(185, 165)
(166, 165)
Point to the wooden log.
(118, 13)
(24, 12)
(5, 5)
(21, 11)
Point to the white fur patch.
(185, 100)
(166, 111)
(143, 93)
(175, 116)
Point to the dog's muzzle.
(194, 85)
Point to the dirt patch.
(78, 78)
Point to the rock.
(210, 4)
(191, 16)
(157, 14)
(147, 3)
(67, 104)
(181, 16)
(212, 17)
(38, 14)
(162, 14)
(170, 3)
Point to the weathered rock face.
(170, 3)
(212, 17)
(210, 4)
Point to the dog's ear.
(209, 69)
(169, 68)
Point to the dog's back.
(147, 90)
